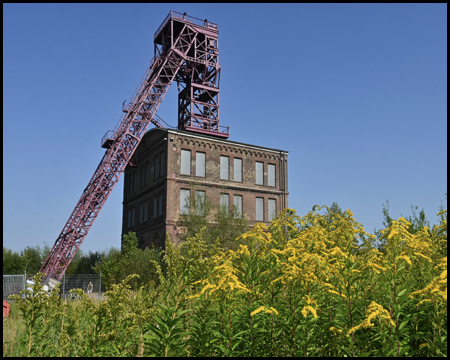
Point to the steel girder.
(125, 138)
(198, 85)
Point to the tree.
(71, 269)
(417, 221)
(84, 263)
(335, 209)
(131, 260)
(12, 262)
(33, 258)
(220, 223)
(387, 221)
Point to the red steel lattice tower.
(186, 49)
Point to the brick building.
(171, 166)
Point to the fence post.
(100, 289)
(64, 283)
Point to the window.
(147, 170)
(146, 211)
(271, 175)
(132, 182)
(237, 168)
(224, 165)
(155, 207)
(200, 164)
(161, 163)
(259, 173)
(225, 202)
(259, 209)
(160, 205)
(141, 213)
(200, 197)
(142, 176)
(272, 207)
(156, 166)
(131, 217)
(186, 162)
(237, 206)
(185, 201)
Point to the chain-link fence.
(13, 284)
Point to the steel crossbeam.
(179, 39)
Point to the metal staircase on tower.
(185, 50)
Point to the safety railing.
(206, 126)
(110, 134)
(163, 123)
(193, 20)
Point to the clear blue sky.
(356, 93)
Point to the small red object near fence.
(6, 308)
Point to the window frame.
(189, 160)
(131, 217)
(238, 207)
(142, 176)
(185, 209)
(222, 167)
(259, 201)
(141, 213)
(227, 205)
(156, 167)
(198, 210)
(146, 211)
(238, 166)
(274, 213)
(270, 175)
(147, 172)
(155, 207)
(256, 173)
(198, 166)
(160, 205)
(162, 164)
(132, 182)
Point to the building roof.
(215, 139)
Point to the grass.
(13, 327)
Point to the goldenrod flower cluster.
(373, 311)
(289, 289)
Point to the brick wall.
(170, 143)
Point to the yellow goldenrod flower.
(258, 310)
(335, 330)
(209, 286)
(310, 309)
(309, 301)
(193, 296)
(374, 310)
(243, 249)
(335, 292)
(405, 257)
(274, 310)
(425, 257)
